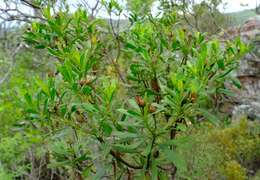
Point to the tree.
(140, 7)
(202, 16)
(257, 7)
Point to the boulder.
(247, 100)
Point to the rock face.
(248, 98)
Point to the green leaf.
(109, 90)
(176, 159)
(195, 85)
(224, 74)
(58, 164)
(86, 172)
(129, 113)
(131, 148)
(106, 127)
(54, 52)
(236, 82)
(154, 170)
(47, 12)
(146, 55)
(39, 46)
(209, 116)
(178, 141)
(226, 91)
(84, 157)
(221, 64)
(28, 98)
(44, 87)
(89, 107)
(86, 90)
(126, 136)
(181, 127)
(131, 46)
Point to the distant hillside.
(238, 18)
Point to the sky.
(231, 5)
(235, 5)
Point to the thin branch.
(28, 3)
(13, 58)
(119, 158)
(117, 38)
(92, 10)
(11, 11)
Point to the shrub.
(233, 170)
(231, 152)
(94, 123)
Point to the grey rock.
(250, 110)
(247, 101)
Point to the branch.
(13, 56)
(26, 2)
(12, 12)
(119, 158)
(92, 10)
(117, 38)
